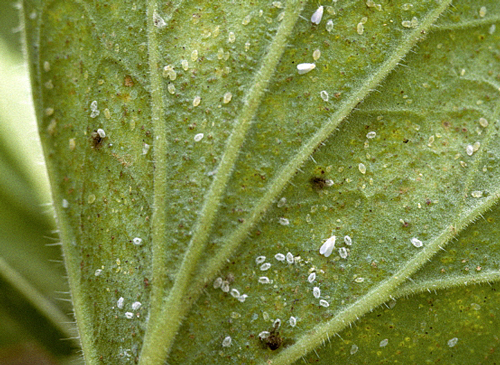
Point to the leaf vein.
(169, 314)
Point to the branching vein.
(165, 317)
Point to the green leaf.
(32, 281)
(183, 146)
(10, 30)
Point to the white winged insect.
(317, 15)
(327, 248)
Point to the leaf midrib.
(169, 313)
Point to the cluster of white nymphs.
(224, 286)
(264, 266)
(316, 290)
(135, 306)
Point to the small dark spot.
(406, 140)
(319, 171)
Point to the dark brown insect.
(274, 340)
(318, 182)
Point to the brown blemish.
(128, 81)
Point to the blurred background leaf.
(33, 292)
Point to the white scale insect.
(327, 248)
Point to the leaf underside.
(372, 144)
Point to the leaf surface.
(183, 146)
